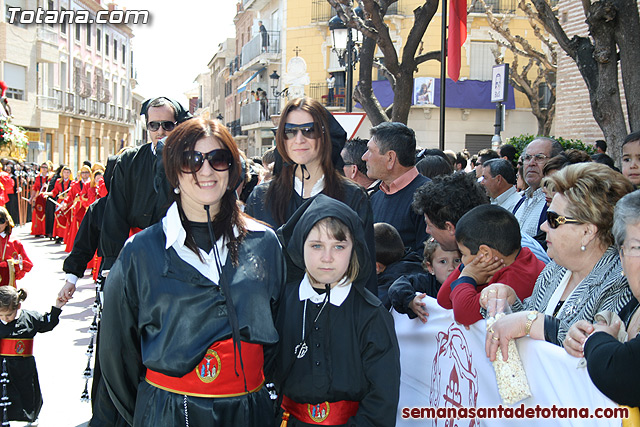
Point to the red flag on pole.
(457, 36)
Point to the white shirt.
(338, 293)
(528, 214)
(176, 236)
(508, 199)
(317, 187)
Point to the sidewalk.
(60, 354)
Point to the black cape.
(161, 313)
(24, 387)
(353, 350)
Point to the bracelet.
(531, 317)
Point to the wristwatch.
(531, 317)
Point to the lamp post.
(345, 47)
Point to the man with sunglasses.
(137, 199)
(532, 207)
(139, 190)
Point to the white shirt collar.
(317, 187)
(338, 293)
(3, 234)
(176, 236)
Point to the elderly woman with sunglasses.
(309, 141)
(188, 303)
(585, 274)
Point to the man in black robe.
(138, 195)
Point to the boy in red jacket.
(488, 237)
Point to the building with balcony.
(300, 28)
(71, 84)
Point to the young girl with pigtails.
(17, 330)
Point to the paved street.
(60, 354)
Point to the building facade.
(300, 28)
(73, 83)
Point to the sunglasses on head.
(308, 130)
(220, 160)
(166, 125)
(554, 219)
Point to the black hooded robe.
(353, 350)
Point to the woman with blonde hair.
(585, 274)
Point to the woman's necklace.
(302, 348)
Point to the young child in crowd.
(392, 259)
(488, 237)
(17, 329)
(407, 292)
(14, 262)
(338, 359)
(631, 158)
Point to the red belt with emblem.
(325, 413)
(215, 375)
(16, 347)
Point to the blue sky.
(176, 46)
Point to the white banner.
(445, 366)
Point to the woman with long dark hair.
(188, 302)
(309, 141)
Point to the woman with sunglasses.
(584, 276)
(188, 303)
(14, 262)
(309, 141)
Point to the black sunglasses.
(220, 160)
(554, 219)
(308, 131)
(166, 125)
(2, 220)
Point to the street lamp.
(345, 48)
(274, 85)
(219, 117)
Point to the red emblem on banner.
(454, 360)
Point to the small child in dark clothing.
(392, 259)
(488, 237)
(407, 292)
(17, 329)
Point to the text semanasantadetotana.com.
(516, 412)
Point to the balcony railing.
(93, 107)
(497, 6)
(321, 11)
(47, 102)
(252, 113)
(71, 98)
(102, 110)
(82, 105)
(47, 35)
(57, 94)
(120, 113)
(261, 44)
(320, 92)
(112, 112)
(235, 128)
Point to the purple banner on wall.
(472, 94)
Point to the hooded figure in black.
(308, 162)
(338, 354)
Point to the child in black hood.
(338, 359)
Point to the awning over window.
(244, 84)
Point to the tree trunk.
(404, 95)
(363, 92)
(627, 35)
